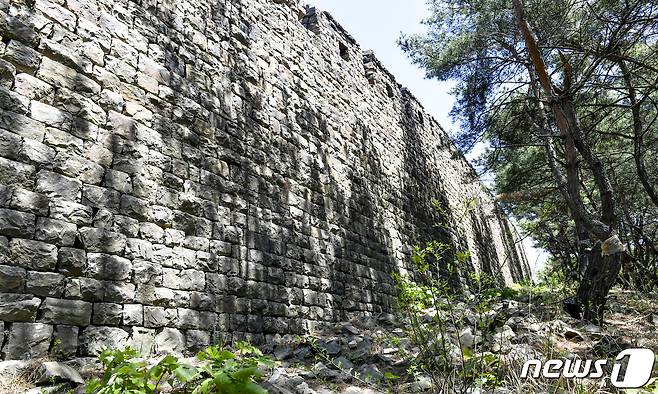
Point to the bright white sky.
(376, 25)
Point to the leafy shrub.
(437, 312)
(228, 372)
(222, 371)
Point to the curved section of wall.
(173, 173)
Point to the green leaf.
(185, 373)
(390, 376)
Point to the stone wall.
(174, 173)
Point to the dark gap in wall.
(389, 91)
(343, 51)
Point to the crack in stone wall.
(177, 173)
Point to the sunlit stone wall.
(175, 173)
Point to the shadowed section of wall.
(173, 174)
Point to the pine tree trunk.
(600, 276)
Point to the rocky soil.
(375, 355)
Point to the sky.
(376, 25)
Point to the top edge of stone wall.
(370, 59)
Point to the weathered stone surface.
(34, 88)
(45, 284)
(214, 174)
(22, 56)
(16, 173)
(101, 240)
(54, 231)
(28, 340)
(16, 224)
(106, 314)
(18, 307)
(65, 341)
(94, 339)
(71, 312)
(34, 255)
(71, 261)
(196, 340)
(138, 249)
(35, 152)
(10, 144)
(58, 186)
(12, 279)
(100, 197)
(7, 74)
(70, 212)
(27, 201)
(86, 289)
(119, 292)
(169, 340)
(133, 315)
(53, 372)
(142, 339)
(192, 280)
(13, 101)
(105, 266)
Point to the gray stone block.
(119, 292)
(151, 232)
(22, 56)
(58, 186)
(34, 255)
(100, 197)
(134, 207)
(138, 249)
(45, 284)
(94, 339)
(7, 74)
(133, 315)
(70, 212)
(86, 289)
(71, 312)
(71, 261)
(192, 280)
(15, 173)
(196, 340)
(170, 341)
(27, 201)
(101, 240)
(104, 219)
(28, 340)
(126, 225)
(16, 224)
(35, 152)
(18, 307)
(12, 279)
(157, 316)
(106, 314)
(10, 143)
(105, 266)
(119, 181)
(147, 273)
(5, 195)
(55, 231)
(65, 342)
(12, 101)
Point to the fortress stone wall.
(175, 173)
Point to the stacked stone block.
(175, 174)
